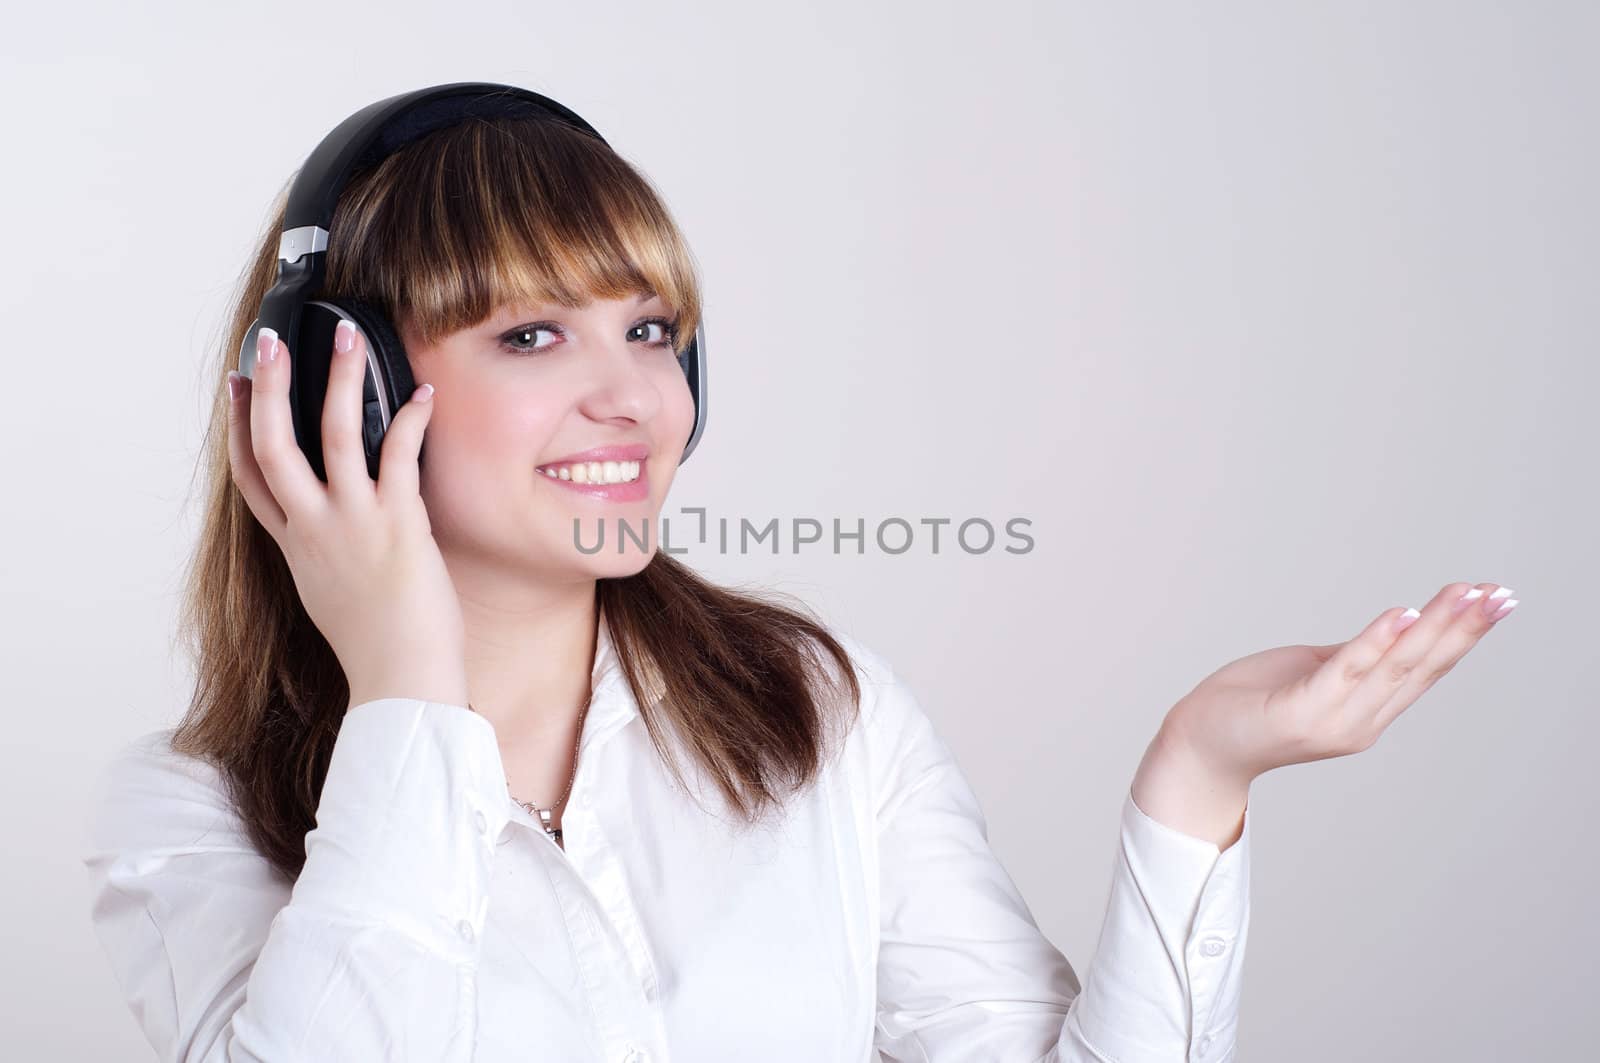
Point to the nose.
(621, 385)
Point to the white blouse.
(435, 920)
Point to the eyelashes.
(669, 328)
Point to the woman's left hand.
(1294, 704)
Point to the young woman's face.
(528, 392)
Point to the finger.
(246, 473)
(1405, 653)
(1461, 624)
(402, 443)
(283, 464)
(343, 452)
(1336, 681)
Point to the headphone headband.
(379, 130)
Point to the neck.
(529, 662)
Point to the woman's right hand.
(362, 553)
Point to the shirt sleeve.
(964, 973)
(371, 953)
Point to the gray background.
(1268, 316)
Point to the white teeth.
(595, 472)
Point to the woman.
(454, 785)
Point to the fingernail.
(344, 336)
(1466, 599)
(266, 344)
(233, 385)
(1492, 604)
(1405, 620)
(1504, 610)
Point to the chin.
(611, 565)
(595, 552)
(620, 567)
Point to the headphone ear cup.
(389, 382)
(693, 363)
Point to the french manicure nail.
(1491, 604)
(1504, 610)
(1405, 620)
(344, 336)
(266, 344)
(1466, 599)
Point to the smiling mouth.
(630, 480)
(594, 472)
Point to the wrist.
(1176, 787)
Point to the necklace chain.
(544, 813)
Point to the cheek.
(678, 407)
(477, 450)
(500, 429)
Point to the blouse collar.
(613, 704)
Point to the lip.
(635, 491)
(628, 452)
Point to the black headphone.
(306, 325)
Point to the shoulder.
(884, 692)
(147, 796)
(872, 669)
(893, 731)
(916, 783)
(179, 898)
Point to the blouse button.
(1212, 946)
(1205, 1044)
(464, 928)
(482, 821)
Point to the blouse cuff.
(1218, 922)
(1180, 907)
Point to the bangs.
(486, 214)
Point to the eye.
(669, 330)
(523, 339)
(512, 340)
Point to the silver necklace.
(544, 813)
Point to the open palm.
(1292, 704)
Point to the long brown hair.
(440, 235)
